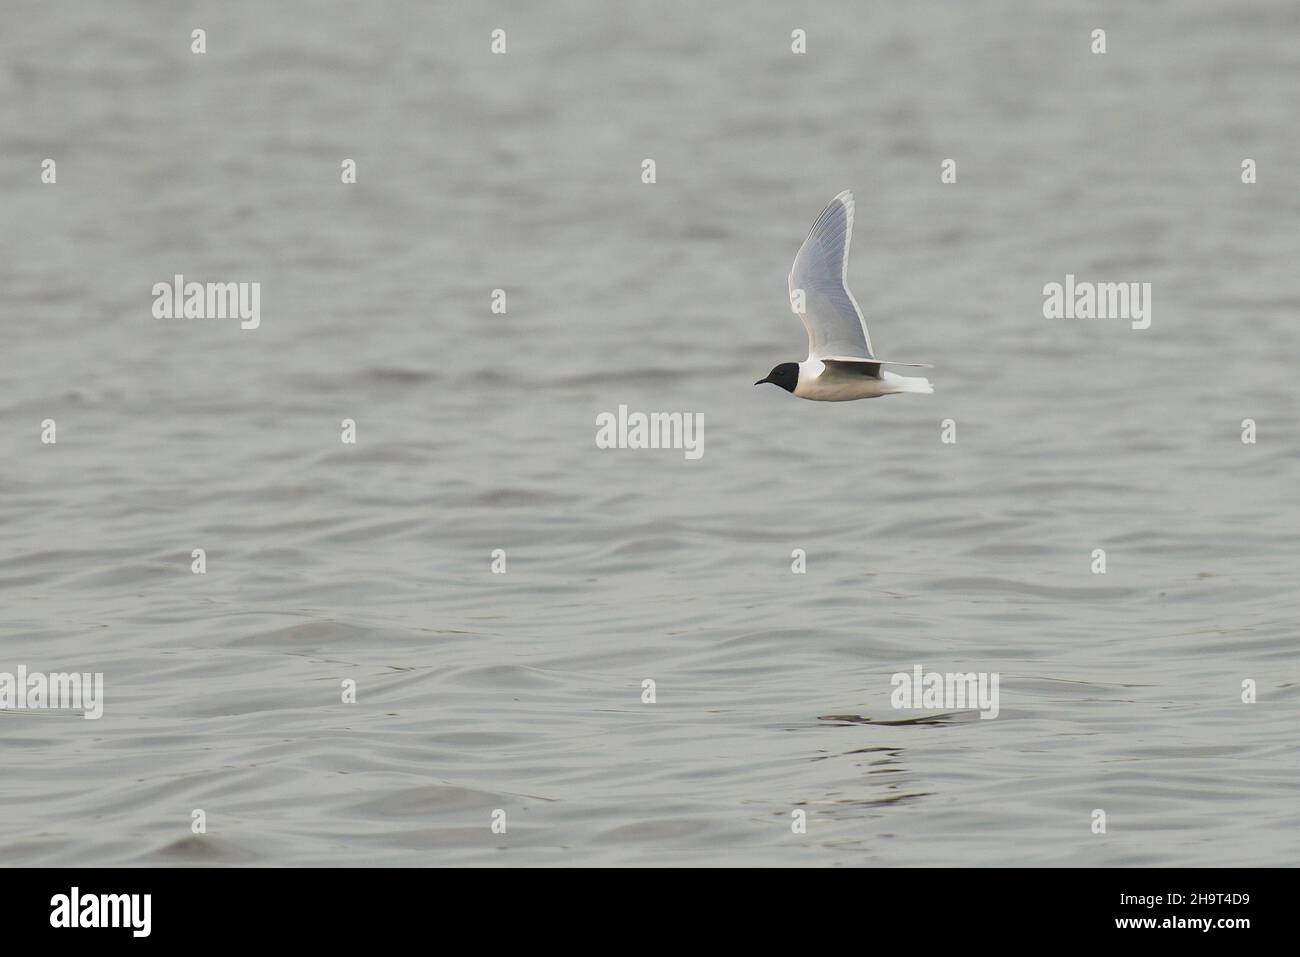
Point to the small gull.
(840, 364)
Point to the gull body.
(840, 365)
(843, 381)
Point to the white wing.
(820, 272)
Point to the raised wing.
(818, 282)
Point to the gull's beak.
(761, 381)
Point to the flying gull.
(840, 364)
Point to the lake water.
(522, 691)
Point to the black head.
(785, 375)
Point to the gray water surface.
(523, 691)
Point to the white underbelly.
(832, 385)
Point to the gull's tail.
(903, 383)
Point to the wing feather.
(831, 315)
